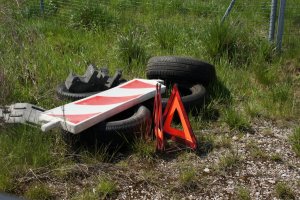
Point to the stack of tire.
(191, 77)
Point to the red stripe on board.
(101, 100)
(136, 84)
(75, 118)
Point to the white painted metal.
(24, 113)
(82, 114)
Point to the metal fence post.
(42, 6)
(228, 11)
(272, 20)
(280, 24)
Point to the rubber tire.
(114, 131)
(194, 99)
(178, 69)
(63, 93)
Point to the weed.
(39, 191)
(281, 93)
(92, 15)
(166, 35)
(96, 155)
(205, 143)
(187, 177)
(295, 141)
(144, 149)
(235, 120)
(5, 87)
(226, 40)
(283, 191)
(223, 142)
(131, 47)
(106, 188)
(265, 75)
(243, 193)
(255, 151)
(229, 161)
(276, 157)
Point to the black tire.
(192, 96)
(63, 93)
(180, 69)
(114, 131)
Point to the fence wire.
(255, 15)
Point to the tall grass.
(38, 51)
(22, 148)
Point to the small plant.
(187, 177)
(144, 149)
(283, 191)
(229, 161)
(106, 188)
(166, 35)
(281, 93)
(229, 41)
(223, 142)
(39, 192)
(235, 120)
(205, 143)
(276, 157)
(131, 47)
(295, 141)
(243, 193)
(4, 87)
(92, 15)
(255, 151)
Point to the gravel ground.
(265, 158)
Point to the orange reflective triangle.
(175, 105)
(158, 124)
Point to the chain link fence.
(93, 13)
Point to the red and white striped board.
(82, 114)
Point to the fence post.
(272, 20)
(228, 11)
(280, 24)
(42, 6)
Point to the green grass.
(283, 191)
(39, 191)
(38, 51)
(106, 188)
(295, 141)
(231, 160)
(243, 193)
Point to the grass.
(255, 151)
(229, 161)
(187, 177)
(243, 193)
(39, 50)
(283, 191)
(39, 191)
(106, 188)
(295, 141)
(236, 120)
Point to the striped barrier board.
(84, 113)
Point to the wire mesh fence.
(117, 13)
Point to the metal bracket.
(24, 113)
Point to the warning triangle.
(175, 105)
(158, 124)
